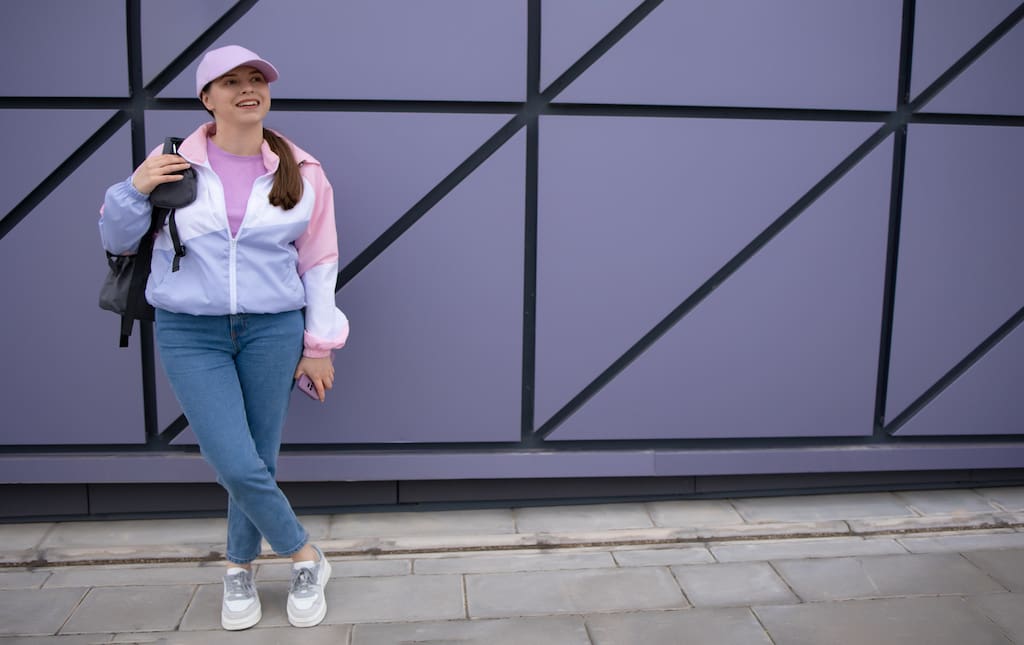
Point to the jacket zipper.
(233, 275)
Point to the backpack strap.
(179, 248)
(171, 145)
(136, 307)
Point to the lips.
(247, 104)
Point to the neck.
(244, 140)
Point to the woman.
(250, 310)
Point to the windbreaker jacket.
(280, 260)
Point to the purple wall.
(505, 332)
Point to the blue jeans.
(232, 376)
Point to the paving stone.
(893, 621)
(1006, 609)
(318, 526)
(822, 528)
(73, 639)
(549, 630)
(22, 579)
(115, 533)
(488, 521)
(1010, 498)
(203, 612)
(733, 585)
(985, 521)
(946, 502)
(1006, 566)
(888, 575)
(129, 609)
(36, 611)
(714, 627)
(963, 542)
(339, 568)
(394, 599)
(590, 517)
(514, 562)
(107, 553)
(499, 595)
(803, 548)
(693, 512)
(319, 635)
(821, 507)
(134, 575)
(21, 537)
(662, 556)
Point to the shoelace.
(303, 583)
(239, 587)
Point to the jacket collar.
(193, 148)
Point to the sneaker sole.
(235, 624)
(317, 618)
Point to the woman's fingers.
(157, 170)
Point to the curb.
(433, 544)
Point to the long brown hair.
(287, 189)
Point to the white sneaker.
(307, 605)
(241, 606)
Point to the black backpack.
(124, 289)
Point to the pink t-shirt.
(236, 175)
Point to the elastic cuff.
(310, 352)
(135, 192)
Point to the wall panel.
(636, 213)
(787, 53)
(65, 381)
(742, 365)
(62, 48)
(960, 265)
(386, 49)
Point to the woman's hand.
(320, 371)
(158, 170)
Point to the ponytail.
(287, 189)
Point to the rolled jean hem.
(236, 560)
(233, 560)
(288, 552)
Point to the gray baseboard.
(48, 502)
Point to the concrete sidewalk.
(930, 567)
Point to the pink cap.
(222, 60)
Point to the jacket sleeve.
(124, 218)
(326, 325)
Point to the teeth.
(247, 103)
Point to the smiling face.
(240, 96)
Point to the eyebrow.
(232, 74)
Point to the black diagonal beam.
(600, 48)
(198, 46)
(956, 372)
(965, 61)
(61, 172)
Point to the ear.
(205, 98)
